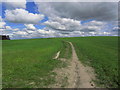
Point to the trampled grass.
(66, 51)
(28, 63)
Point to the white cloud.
(55, 25)
(94, 28)
(29, 31)
(30, 26)
(15, 4)
(95, 23)
(20, 33)
(22, 16)
(5, 29)
(64, 19)
(16, 29)
(8, 27)
(93, 33)
(71, 25)
(63, 23)
(80, 10)
(2, 23)
(116, 28)
(1, 19)
(25, 33)
(66, 27)
(76, 1)
(48, 32)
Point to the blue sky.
(34, 19)
(86, 21)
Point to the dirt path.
(76, 75)
(81, 76)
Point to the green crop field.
(29, 63)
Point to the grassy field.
(28, 63)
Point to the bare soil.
(57, 55)
(75, 75)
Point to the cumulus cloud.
(30, 26)
(47, 33)
(66, 25)
(5, 29)
(73, 28)
(77, 1)
(64, 19)
(20, 33)
(8, 27)
(116, 28)
(101, 11)
(22, 16)
(91, 26)
(95, 23)
(2, 23)
(15, 4)
(55, 25)
(16, 29)
(58, 23)
(25, 33)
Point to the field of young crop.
(28, 63)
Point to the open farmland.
(29, 63)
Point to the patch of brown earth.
(75, 75)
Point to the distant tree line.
(4, 37)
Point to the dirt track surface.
(75, 75)
(80, 75)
